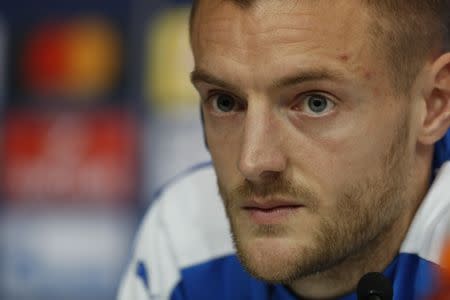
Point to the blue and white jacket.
(184, 250)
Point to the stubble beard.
(365, 211)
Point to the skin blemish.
(368, 75)
(344, 57)
(377, 92)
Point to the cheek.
(223, 144)
(221, 130)
(332, 164)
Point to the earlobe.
(437, 119)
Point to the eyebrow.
(203, 76)
(309, 75)
(290, 80)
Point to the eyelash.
(303, 98)
(208, 101)
(301, 101)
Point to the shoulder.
(430, 228)
(420, 254)
(190, 213)
(184, 226)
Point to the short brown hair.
(411, 29)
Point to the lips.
(269, 203)
(271, 211)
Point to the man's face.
(312, 149)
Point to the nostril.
(270, 175)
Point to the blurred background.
(96, 113)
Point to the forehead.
(280, 34)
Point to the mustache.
(277, 187)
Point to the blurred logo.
(77, 60)
(70, 158)
(443, 287)
(170, 61)
(3, 46)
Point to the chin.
(271, 259)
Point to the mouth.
(272, 212)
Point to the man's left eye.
(316, 104)
(224, 103)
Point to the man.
(326, 124)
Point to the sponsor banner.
(75, 60)
(170, 61)
(442, 291)
(64, 158)
(67, 255)
(176, 144)
(3, 47)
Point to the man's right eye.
(223, 103)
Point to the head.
(320, 117)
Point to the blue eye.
(317, 104)
(223, 103)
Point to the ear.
(437, 117)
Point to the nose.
(261, 154)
